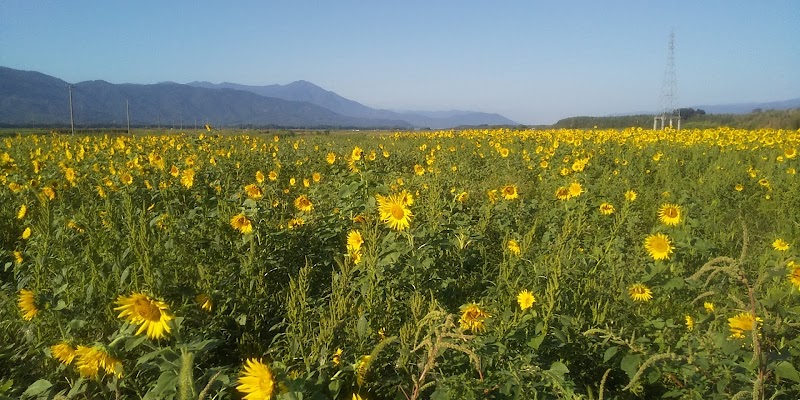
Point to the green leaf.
(60, 305)
(560, 335)
(133, 342)
(535, 342)
(166, 385)
(441, 393)
(124, 275)
(77, 388)
(37, 388)
(785, 369)
(630, 364)
(610, 352)
(241, 319)
(559, 369)
(6, 386)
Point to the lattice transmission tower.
(669, 92)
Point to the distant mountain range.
(308, 92)
(33, 98)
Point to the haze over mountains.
(308, 92)
(33, 98)
(29, 98)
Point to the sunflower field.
(474, 264)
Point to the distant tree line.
(692, 118)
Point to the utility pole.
(71, 118)
(128, 115)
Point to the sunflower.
(472, 318)
(361, 369)
(256, 381)
(204, 301)
(91, 359)
(462, 197)
(260, 176)
(394, 212)
(26, 302)
(669, 214)
(26, 233)
(48, 192)
(356, 154)
(606, 209)
(794, 274)
(742, 323)
(241, 224)
(492, 195)
(513, 247)
(709, 307)
(658, 246)
(273, 176)
(525, 299)
(187, 178)
(23, 209)
(354, 241)
(156, 161)
(303, 204)
(780, 245)
(562, 193)
(419, 170)
(689, 322)
(337, 356)
(407, 198)
(630, 195)
(151, 315)
(69, 175)
(575, 189)
(253, 191)
(509, 192)
(63, 352)
(330, 158)
(295, 222)
(738, 187)
(126, 178)
(18, 257)
(640, 292)
(316, 177)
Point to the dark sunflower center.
(398, 212)
(147, 310)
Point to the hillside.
(307, 91)
(32, 98)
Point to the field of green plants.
(477, 264)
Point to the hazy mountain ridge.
(28, 98)
(307, 91)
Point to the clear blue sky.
(532, 61)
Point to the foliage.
(158, 265)
(693, 119)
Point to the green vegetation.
(500, 264)
(772, 119)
